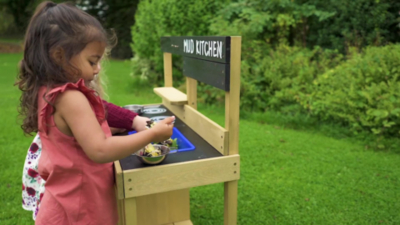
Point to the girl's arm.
(119, 117)
(74, 109)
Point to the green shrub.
(363, 92)
(269, 21)
(333, 24)
(6, 22)
(356, 23)
(273, 80)
(155, 19)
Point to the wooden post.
(167, 69)
(191, 92)
(119, 192)
(232, 98)
(232, 106)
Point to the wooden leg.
(121, 212)
(231, 193)
(130, 211)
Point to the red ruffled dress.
(78, 190)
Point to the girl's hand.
(163, 129)
(139, 123)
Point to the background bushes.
(118, 15)
(355, 24)
(334, 60)
(363, 92)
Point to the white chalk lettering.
(214, 52)
(192, 46)
(198, 49)
(203, 52)
(188, 46)
(207, 49)
(210, 49)
(220, 50)
(185, 45)
(203, 48)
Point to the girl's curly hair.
(53, 27)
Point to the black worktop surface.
(203, 149)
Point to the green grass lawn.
(287, 176)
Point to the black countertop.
(203, 149)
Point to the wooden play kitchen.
(159, 194)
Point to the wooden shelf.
(172, 95)
(186, 222)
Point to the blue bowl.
(183, 143)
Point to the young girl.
(63, 46)
(119, 120)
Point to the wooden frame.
(167, 197)
(181, 175)
(210, 131)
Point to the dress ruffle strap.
(47, 110)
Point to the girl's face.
(88, 60)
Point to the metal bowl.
(153, 160)
(134, 108)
